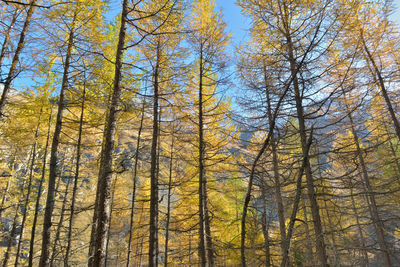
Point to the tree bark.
(45, 256)
(206, 246)
(285, 257)
(382, 86)
(376, 220)
(132, 211)
(265, 228)
(153, 237)
(59, 225)
(76, 177)
(29, 188)
(102, 205)
(360, 233)
(275, 162)
(111, 218)
(39, 193)
(319, 235)
(168, 215)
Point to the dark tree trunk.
(39, 193)
(45, 256)
(377, 73)
(285, 257)
(319, 235)
(59, 225)
(265, 228)
(275, 162)
(359, 229)
(168, 215)
(76, 177)
(206, 247)
(153, 238)
(29, 190)
(111, 217)
(102, 205)
(132, 211)
(376, 220)
(15, 60)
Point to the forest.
(139, 133)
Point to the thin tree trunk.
(360, 233)
(59, 226)
(319, 235)
(169, 200)
(336, 257)
(285, 257)
(75, 188)
(15, 60)
(102, 206)
(153, 237)
(309, 250)
(275, 162)
(132, 211)
(39, 193)
(382, 86)
(253, 171)
(202, 245)
(45, 255)
(265, 228)
(376, 220)
(111, 216)
(29, 188)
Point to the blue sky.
(237, 23)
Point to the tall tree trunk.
(285, 257)
(102, 206)
(132, 211)
(309, 250)
(29, 188)
(76, 177)
(59, 225)
(265, 227)
(378, 76)
(168, 215)
(319, 235)
(275, 162)
(45, 256)
(360, 232)
(111, 217)
(153, 237)
(206, 246)
(336, 256)
(15, 60)
(376, 220)
(39, 193)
